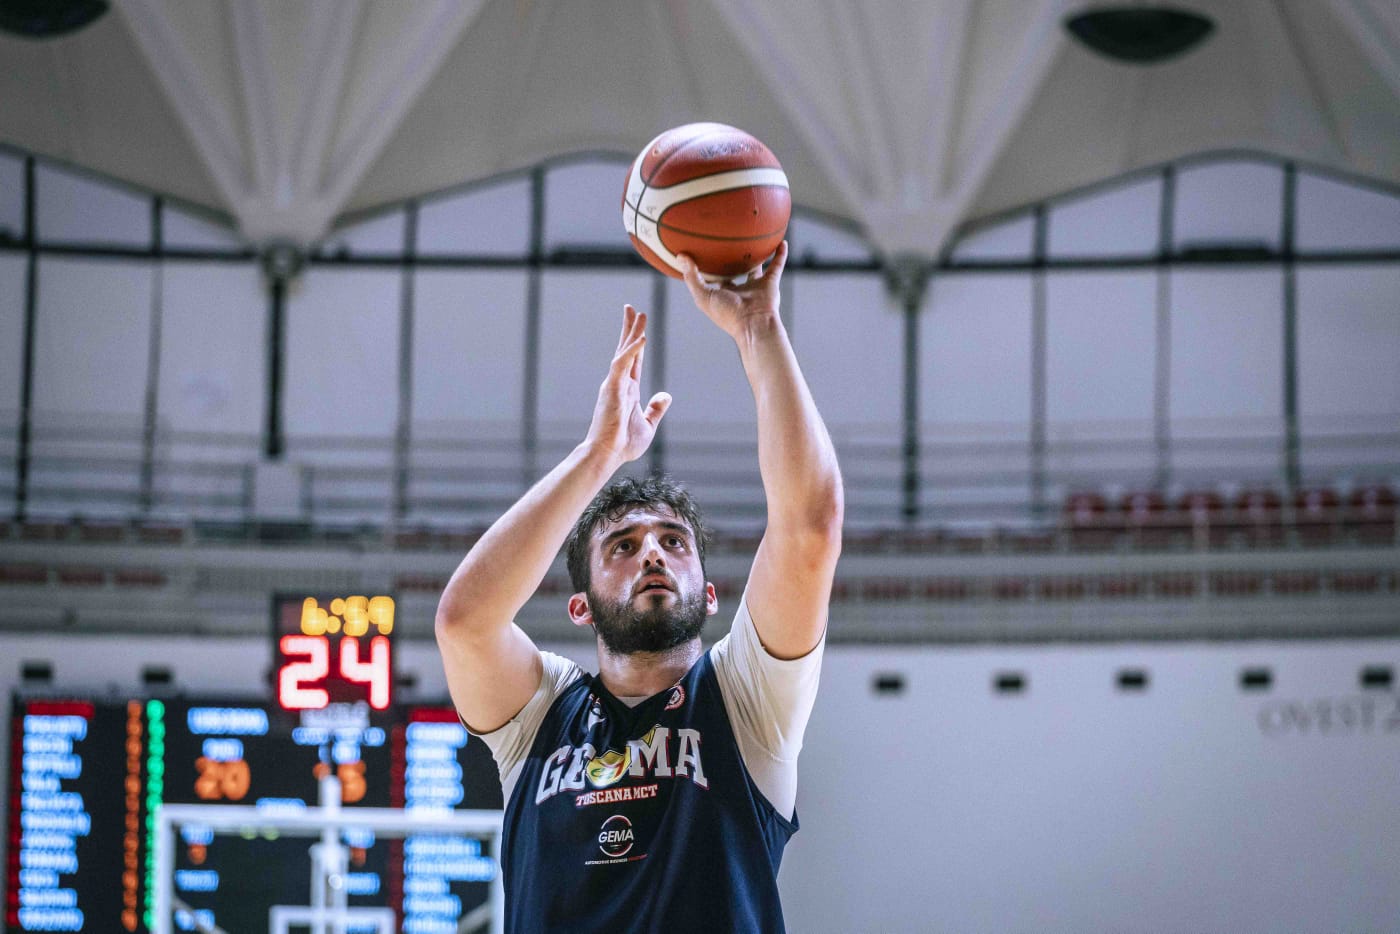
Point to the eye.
(675, 541)
(623, 545)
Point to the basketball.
(708, 190)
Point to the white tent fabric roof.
(908, 119)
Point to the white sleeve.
(768, 701)
(510, 744)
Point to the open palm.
(620, 424)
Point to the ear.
(711, 601)
(579, 612)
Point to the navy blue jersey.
(638, 819)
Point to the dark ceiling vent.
(48, 19)
(1140, 35)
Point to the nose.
(652, 555)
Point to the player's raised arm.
(492, 666)
(790, 584)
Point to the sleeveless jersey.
(641, 819)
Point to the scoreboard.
(88, 774)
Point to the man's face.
(647, 591)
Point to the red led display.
(333, 651)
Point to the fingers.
(656, 408)
(629, 317)
(775, 269)
(776, 263)
(627, 357)
(691, 275)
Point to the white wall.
(1072, 806)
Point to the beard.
(626, 631)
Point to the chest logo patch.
(606, 769)
(615, 838)
(676, 699)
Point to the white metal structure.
(328, 912)
(905, 118)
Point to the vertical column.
(1291, 442)
(657, 326)
(1038, 354)
(150, 411)
(529, 419)
(1161, 393)
(31, 304)
(906, 279)
(281, 262)
(403, 432)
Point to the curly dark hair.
(615, 500)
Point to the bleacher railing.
(1209, 483)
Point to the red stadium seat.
(1149, 522)
(1316, 515)
(1259, 515)
(1370, 514)
(1090, 523)
(1204, 511)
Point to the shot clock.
(333, 650)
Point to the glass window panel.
(975, 352)
(1099, 385)
(492, 220)
(468, 393)
(1123, 221)
(811, 239)
(188, 230)
(710, 435)
(1349, 372)
(580, 320)
(382, 234)
(341, 387)
(213, 348)
(1226, 383)
(91, 348)
(974, 395)
(75, 209)
(1011, 239)
(91, 337)
(1333, 215)
(11, 197)
(1349, 341)
(1228, 202)
(342, 353)
(583, 205)
(849, 340)
(1226, 345)
(212, 388)
(712, 398)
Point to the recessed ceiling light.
(1140, 35)
(47, 19)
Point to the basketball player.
(657, 795)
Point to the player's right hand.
(621, 428)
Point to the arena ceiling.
(906, 118)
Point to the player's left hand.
(736, 307)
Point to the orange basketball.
(708, 190)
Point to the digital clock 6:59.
(334, 649)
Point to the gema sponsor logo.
(615, 838)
